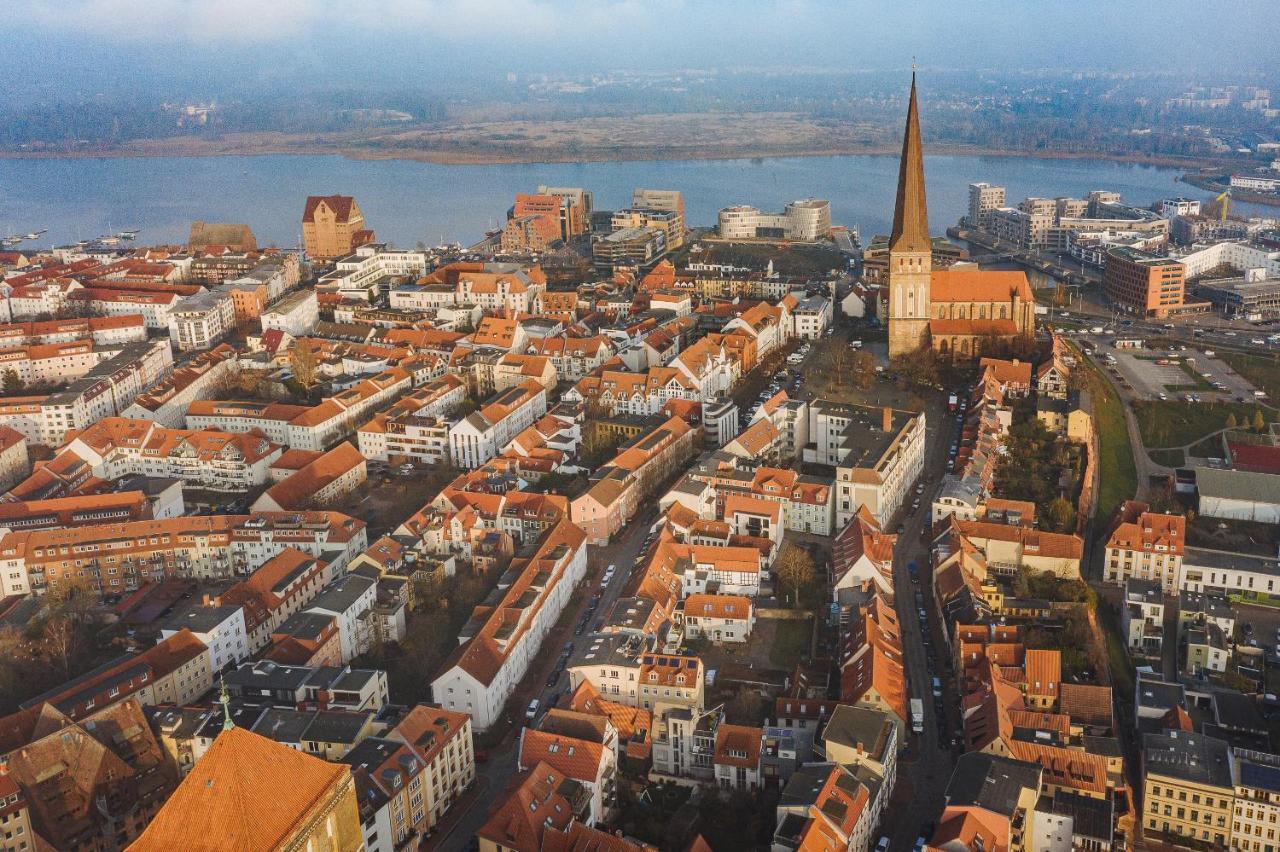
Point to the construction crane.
(1223, 202)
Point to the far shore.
(457, 157)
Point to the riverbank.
(1221, 182)
(641, 138)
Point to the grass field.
(1117, 472)
(790, 642)
(1173, 423)
(1263, 371)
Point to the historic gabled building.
(960, 312)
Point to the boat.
(127, 235)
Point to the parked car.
(532, 712)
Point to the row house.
(407, 779)
(103, 331)
(107, 389)
(300, 427)
(198, 378)
(119, 557)
(483, 434)
(498, 645)
(415, 427)
(115, 448)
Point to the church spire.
(225, 699)
(910, 214)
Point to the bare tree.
(304, 362)
(795, 568)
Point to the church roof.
(978, 285)
(221, 805)
(910, 216)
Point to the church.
(961, 312)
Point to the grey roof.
(1090, 817)
(336, 726)
(201, 619)
(850, 726)
(1224, 560)
(1144, 591)
(805, 784)
(1213, 606)
(1260, 776)
(991, 782)
(305, 625)
(283, 724)
(1239, 712)
(1108, 746)
(1160, 695)
(1188, 757)
(342, 593)
(1238, 485)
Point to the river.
(408, 202)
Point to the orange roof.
(295, 490)
(340, 205)
(574, 758)
(223, 804)
(978, 285)
(1044, 673)
(717, 606)
(739, 745)
(532, 807)
(735, 503)
(1141, 529)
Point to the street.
(928, 768)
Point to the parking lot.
(1185, 371)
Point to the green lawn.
(1209, 448)
(790, 642)
(1118, 475)
(1117, 656)
(1173, 423)
(1263, 371)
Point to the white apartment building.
(53, 363)
(155, 308)
(807, 220)
(102, 331)
(350, 600)
(360, 275)
(220, 628)
(199, 321)
(811, 317)
(983, 199)
(167, 402)
(296, 314)
(878, 454)
(482, 434)
(415, 427)
(498, 645)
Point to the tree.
(1258, 422)
(795, 569)
(304, 362)
(1022, 582)
(1061, 515)
(1231, 420)
(11, 383)
(863, 369)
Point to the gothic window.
(1002, 314)
(983, 312)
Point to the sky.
(56, 47)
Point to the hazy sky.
(88, 46)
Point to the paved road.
(494, 775)
(931, 764)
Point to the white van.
(532, 712)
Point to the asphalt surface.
(927, 767)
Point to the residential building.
(1142, 617)
(220, 628)
(498, 645)
(583, 747)
(878, 454)
(408, 779)
(295, 314)
(984, 199)
(1188, 792)
(824, 806)
(1145, 545)
(483, 434)
(990, 804)
(309, 687)
(1256, 777)
(737, 757)
(15, 463)
(200, 321)
(322, 481)
(718, 618)
(91, 784)
(544, 807)
(629, 247)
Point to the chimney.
(888, 419)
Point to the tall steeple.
(225, 699)
(910, 215)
